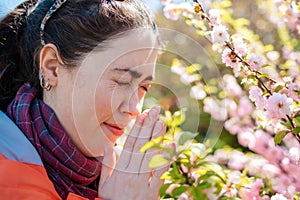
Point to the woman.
(73, 75)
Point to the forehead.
(133, 46)
(131, 49)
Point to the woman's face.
(106, 92)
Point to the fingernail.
(141, 118)
(154, 112)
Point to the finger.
(156, 181)
(108, 164)
(134, 133)
(159, 130)
(126, 153)
(147, 129)
(144, 136)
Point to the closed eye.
(146, 87)
(122, 83)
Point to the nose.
(132, 104)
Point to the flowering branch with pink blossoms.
(276, 99)
(280, 100)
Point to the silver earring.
(44, 84)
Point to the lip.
(114, 129)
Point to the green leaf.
(268, 48)
(193, 68)
(197, 193)
(251, 77)
(226, 3)
(244, 80)
(278, 88)
(207, 175)
(177, 177)
(167, 196)
(264, 76)
(265, 65)
(204, 185)
(296, 120)
(279, 137)
(151, 144)
(202, 163)
(296, 130)
(286, 124)
(178, 118)
(158, 160)
(179, 190)
(242, 21)
(185, 136)
(163, 189)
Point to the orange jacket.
(22, 175)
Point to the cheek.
(107, 100)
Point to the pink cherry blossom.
(255, 165)
(246, 138)
(171, 188)
(253, 192)
(231, 86)
(256, 95)
(178, 69)
(289, 91)
(245, 107)
(240, 46)
(278, 197)
(219, 34)
(232, 125)
(171, 11)
(237, 160)
(187, 79)
(228, 61)
(234, 177)
(197, 92)
(291, 16)
(278, 106)
(269, 170)
(186, 8)
(210, 193)
(295, 154)
(281, 183)
(262, 142)
(214, 16)
(218, 112)
(231, 107)
(254, 61)
(273, 55)
(274, 154)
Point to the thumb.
(108, 164)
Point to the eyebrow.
(133, 73)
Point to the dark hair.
(76, 29)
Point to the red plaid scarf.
(67, 167)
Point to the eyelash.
(127, 83)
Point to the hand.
(131, 178)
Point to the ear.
(50, 63)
